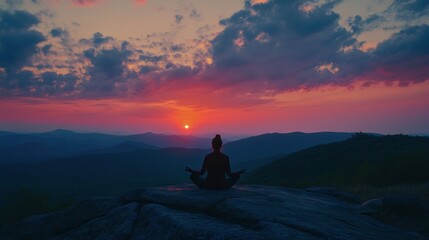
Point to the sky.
(225, 66)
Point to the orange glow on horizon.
(323, 109)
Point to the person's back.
(217, 166)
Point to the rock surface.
(407, 212)
(184, 212)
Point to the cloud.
(19, 46)
(13, 3)
(359, 25)
(253, 2)
(146, 69)
(151, 58)
(85, 3)
(58, 32)
(277, 43)
(404, 57)
(178, 18)
(267, 47)
(140, 2)
(46, 49)
(17, 20)
(194, 13)
(410, 9)
(17, 40)
(277, 46)
(56, 83)
(107, 70)
(98, 39)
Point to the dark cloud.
(278, 46)
(25, 83)
(151, 58)
(404, 57)
(176, 47)
(17, 40)
(44, 66)
(18, 44)
(20, 81)
(359, 25)
(58, 32)
(410, 9)
(55, 83)
(13, 3)
(17, 20)
(194, 13)
(107, 70)
(46, 49)
(65, 40)
(98, 39)
(174, 73)
(278, 43)
(178, 18)
(147, 69)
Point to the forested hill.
(363, 160)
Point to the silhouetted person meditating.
(217, 165)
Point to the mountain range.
(73, 163)
(33, 147)
(67, 166)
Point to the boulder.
(48, 225)
(242, 212)
(116, 225)
(406, 212)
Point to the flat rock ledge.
(185, 212)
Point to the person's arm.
(201, 172)
(231, 174)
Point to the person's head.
(217, 142)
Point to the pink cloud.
(140, 2)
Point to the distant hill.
(21, 149)
(96, 138)
(4, 133)
(102, 173)
(163, 141)
(60, 143)
(363, 160)
(274, 144)
(9, 140)
(127, 146)
(33, 147)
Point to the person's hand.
(188, 169)
(242, 171)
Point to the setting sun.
(186, 126)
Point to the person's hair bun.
(217, 141)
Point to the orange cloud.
(253, 2)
